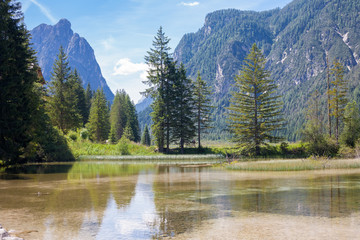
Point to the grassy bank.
(152, 157)
(294, 165)
(87, 148)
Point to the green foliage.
(351, 131)
(65, 103)
(296, 40)
(51, 146)
(123, 146)
(89, 148)
(203, 107)
(128, 132)
(78, 92)
(284, 148)
(88, 96)
(84, 134)
(318, 143)
(146, 139)
(123, 114)
(321, 146)
(255, 109)
(182, 120)
(72, 135)
(25, 130)
(338, 96)
(158, 60)
(99, 124)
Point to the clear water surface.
(112, 200)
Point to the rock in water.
(4, 235)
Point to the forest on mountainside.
(296, 40)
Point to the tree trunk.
(182, 146)
(256, 137)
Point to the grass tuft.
(294, 165)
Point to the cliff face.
(296, 41)
(46, 42)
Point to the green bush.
(52, 147)
(324, 147)
(123, 146)
(284, 148)
(84, 134)
(72, 135)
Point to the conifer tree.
(79, 92)
(183, 129)
(18, 74)
(255, 109)
(128, 134)
(63, 101)
(202, 106)
(123, 112)
(145, 139)
(133, 120)
(88, 97)
(99, 124)
(338, 93)
(157, 59)
(117, 117)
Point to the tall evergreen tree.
(25, 130)
(63, 101)
(78, 90)
(18, 101)
(133, 120)
(183, 130)
(255, 109)
(203, 106)
(99, 124)
(338, 93)
(118, 117)
(157, 59)
(88, 97)
(146, 139)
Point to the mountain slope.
(296, 41)
(46, 42)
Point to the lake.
(114, 200)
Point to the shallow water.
(91, 200)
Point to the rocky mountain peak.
(46, 41)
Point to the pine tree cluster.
(123, 119)
(176, 98)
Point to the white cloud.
(125, 67)
(190, 4)
(45, 11)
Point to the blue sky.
(121, 31)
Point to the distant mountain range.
(296, 40)
(46, 42)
